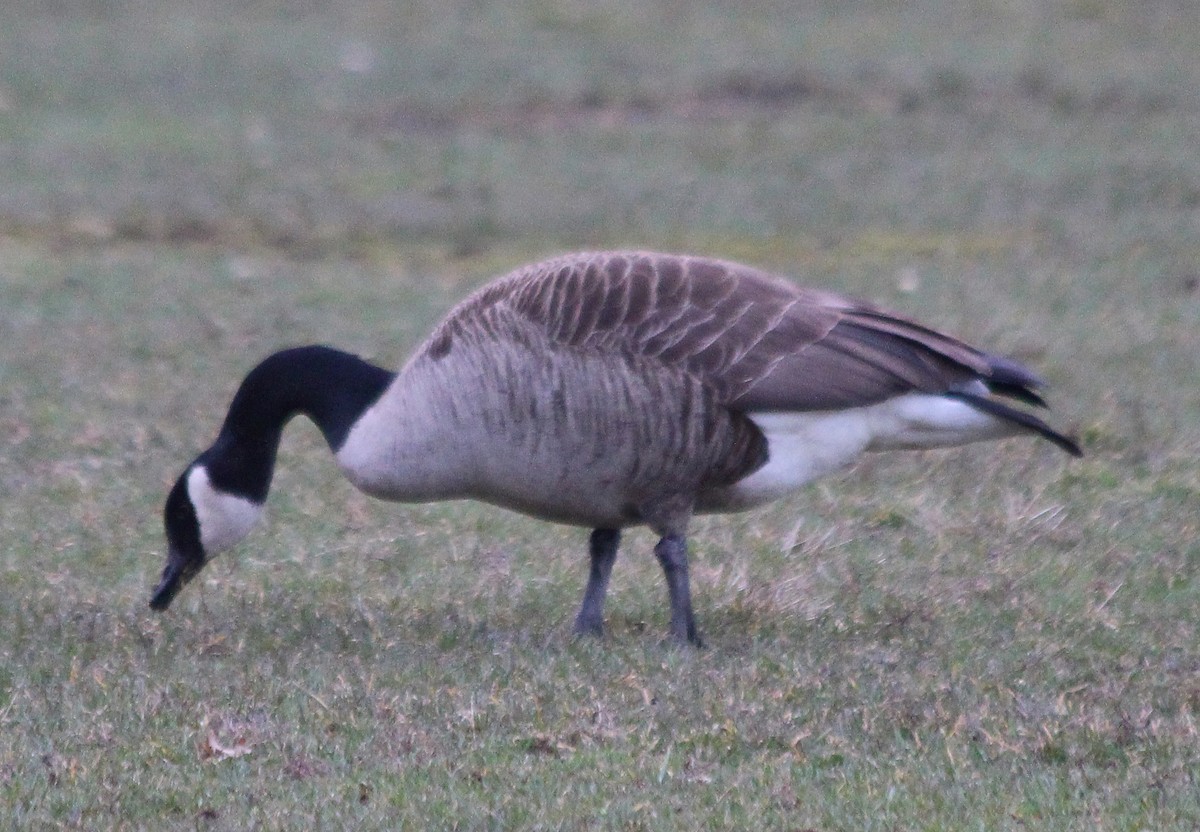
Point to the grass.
(987, 638)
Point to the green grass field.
(995, 637)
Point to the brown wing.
(761, 342)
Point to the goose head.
(219, 497)
(200, 519)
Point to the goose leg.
(602, 546)
(671, 552)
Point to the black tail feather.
(1016, 391)
(1015, 380)
(1020, 417)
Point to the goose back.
(760, 342)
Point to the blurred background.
(311, 125)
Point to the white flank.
(919, 420)
(804, 446)
(224, 518)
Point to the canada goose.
(607, 390)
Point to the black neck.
(330, 387)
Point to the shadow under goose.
(607, 390)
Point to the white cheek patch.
(224, 518)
